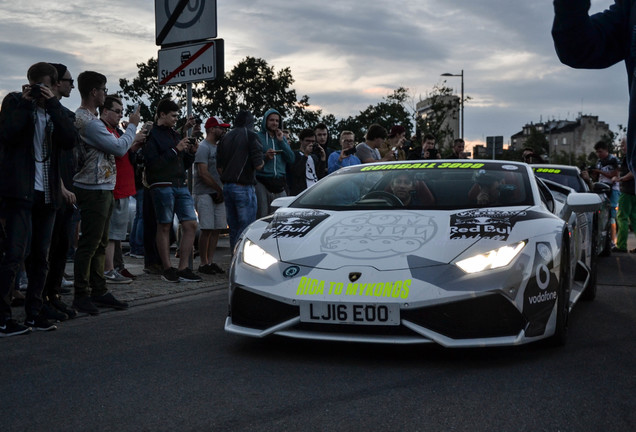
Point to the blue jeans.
(613, 197)
(136, 238)
(240, 208)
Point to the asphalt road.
(169, 366)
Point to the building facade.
(425, 111)
(570, 137)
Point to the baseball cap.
(215, 121)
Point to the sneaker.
(632, 250)
(40, 323)
(109, 300)
(125, 273)
(619, 250)
(62, 307)
(113, 277)
(186, 275)
(153, 269)
(138, 256)
(206, 269)
(170, 275)
(216, 268)
(84, 304)
(49, 312)
(12, 328)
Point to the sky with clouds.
(344, 55)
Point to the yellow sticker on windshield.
(424, 165)
(547, 170)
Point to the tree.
(146, 91)
(389, 112)
(537, 141)
(251, 85)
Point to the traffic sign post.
(191, 63)
(184, 21)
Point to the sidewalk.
(148, 288)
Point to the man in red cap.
(208, 195)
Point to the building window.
(565, 141)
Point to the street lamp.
(461, 100)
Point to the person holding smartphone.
(427, 151)
(308, 167)
(33, 130)
(277, 154)
(346, 156)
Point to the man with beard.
(272, 179)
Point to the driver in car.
(405, 188)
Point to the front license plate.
(350, 313)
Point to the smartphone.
(146, 128)
(350, 151)
(278, 151)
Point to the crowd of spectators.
(68, 179)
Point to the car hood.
(386, 240)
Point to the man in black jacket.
(167, 156)
(33, 129)
(238, 157)
(599, 41)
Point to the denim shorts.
(170, 200)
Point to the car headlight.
(491, 260)
(255, 256)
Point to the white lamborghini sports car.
(460, 253)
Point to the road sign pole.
(190, 174)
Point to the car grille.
(481, 317)
(366, 330)
(255, 311)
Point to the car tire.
(607, 244)
(563, 301)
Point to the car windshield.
(434, 185)
(566, 177)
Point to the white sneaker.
(113, 277)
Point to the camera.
(36, 91)
(350, 151)
(192, 141)
(432, 153)
(198, 120)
